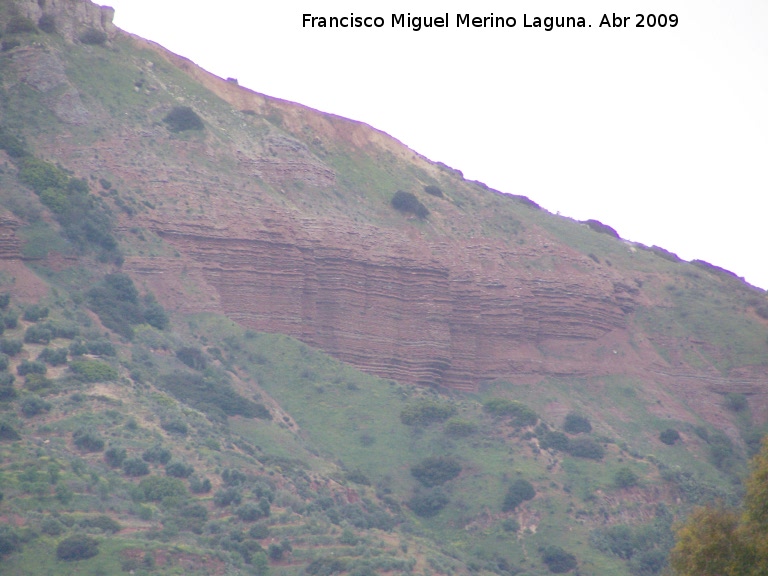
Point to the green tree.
(717, 541)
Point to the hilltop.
(331, 354)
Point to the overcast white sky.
(661, 133)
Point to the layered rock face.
(414, 319)
(70, 18)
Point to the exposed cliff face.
(70, 18)
(278, 216)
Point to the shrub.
(519, 413)
(585, 448)
(20, 25)
(428, 503)
(736, 402)
(598, 226)
(249, 512)
(436, 470)
(259, 531)
(192, 357)
(576, 424)
(209, 394)
(34, 405)
(93, 370)
(4, 361)
(554, 440)
(38, 335)
(101, 348)
(16, 148)
(159, 488)
(175, 427)
(31, 367)
(10, 540)
(53, 356)
(625, 478)
(35, 312)
(78, 348)
(102, 522)
(179, 470)
(227, 496)
(47, 23)
(7, 391)
(88, 440)
(511, 525)
(182, 118)
(8, 45)
(135, 467)
(77, 547)
(51, 527)
(433, 190)
(8, 432)
(157, 454)
(458, 428)
(115, 456)
(10, 346)
(558, 560)
(426, 412)
(520, 491)
(11, 319)
(358, 477)
(669, 436)
(408, 203)
(117, 303)
(93, 37)
(35, 382)
(199, 485)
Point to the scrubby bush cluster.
(518, 413)
(436, 470)
(518, 492)
(116, 300)
(182, 118)
(212, 394)
(408, 203)
(83, 217)
(577, 424)
(669, 436)
(426, 412)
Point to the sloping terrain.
(377, 366)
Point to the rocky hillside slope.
(132, 181)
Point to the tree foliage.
(426, 412)
(182, 118)
(436, 470)
(519, 491)
(518, 413)
(717, 541)
(408, 203)
(577, 424)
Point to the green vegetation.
(669, 436)
(426, 412)
(93, 370)
(436, 470)
(558, 560)
(77, 547)
(408, 203)
(717, 541)
(94, 37)
(182, 118)
(116, 300)
(577, 424)
(519, 491)
(518, 413)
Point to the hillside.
(240, 335)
